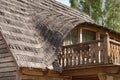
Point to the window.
(88, 35)
(72, 38)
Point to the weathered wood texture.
(8, 66)
(97, 52)
(39, 74)
(106, 76)
(115, 51)
(29, 27)
(30, 77)
(37, 28)
(91, 71)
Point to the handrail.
(84, 43)
(114, 41)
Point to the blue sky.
(64, 2)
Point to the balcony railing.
(91, 53)
(115, 52)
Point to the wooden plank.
(32, 71)
(90, 70)
(8, 64)
(3, 46)
(6, 59)
(2, 42)
(1, 37)
(7, 74)
(5, 55)
(32, 77)
(8, 78)
(114, 41)
(3, 50)
(7, 69)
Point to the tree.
(74, 4)
(113, 14)
(104, 12)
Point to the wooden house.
(39, 36)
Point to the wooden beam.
(94, 70)
(31, 71)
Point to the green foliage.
(104, 12)
(74, 4)
(113, 14)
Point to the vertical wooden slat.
(96, 53)
(102, 52)
(74, 58)
(67, 56)
(92, 53)
(63, 56)
(59, 58)
(71, 57)
(87, 56)
(79, 58)
(83, 58)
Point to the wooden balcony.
(94, 53)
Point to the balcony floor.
(90, 72)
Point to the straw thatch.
(34, 29)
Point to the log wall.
(7, 65)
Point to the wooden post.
(98, 50)
(106, 48)
(19, 74)
(80, 35)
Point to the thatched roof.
(35, 29)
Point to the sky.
(64, 2)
